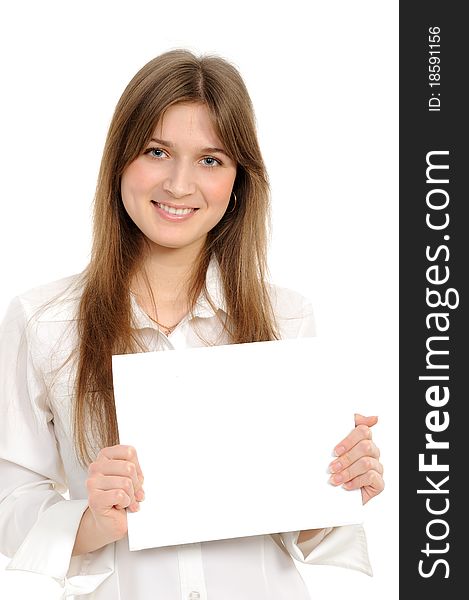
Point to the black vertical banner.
(434, 231)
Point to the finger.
(370, 479)
(105, 483)
(108, 482)
(101, 501)
(361, 420)
(361, 432)
(358, 468)
(363, 448)
(121, 452)
(123, 468)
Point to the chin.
(174, 244)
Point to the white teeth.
(175, 211)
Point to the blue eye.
(215, 161)
(151, 150)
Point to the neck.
(168, 271)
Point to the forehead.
(185, 123)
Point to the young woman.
(178, 260)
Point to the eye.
(150, 152)
(212, 164)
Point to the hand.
(114, 484)
(357, 464)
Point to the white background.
(323, 80)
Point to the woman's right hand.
(114, 484)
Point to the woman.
(178, 260)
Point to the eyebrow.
(171, 145)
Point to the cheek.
(136, 180)
(219, 191)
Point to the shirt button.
(194, 596)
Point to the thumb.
(361, 420)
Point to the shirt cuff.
(343, 546)
(47, 550)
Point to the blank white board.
(235, 440)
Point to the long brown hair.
(238, 241)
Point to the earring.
(235, 203)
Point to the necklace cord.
(169, 329)
(161, 324)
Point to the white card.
(235, 440)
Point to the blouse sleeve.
(38, 525)
(343, 546)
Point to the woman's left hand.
(357, 464)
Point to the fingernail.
(140, 495)
(335, 466)
(336, 479)
(347, 485)
(339, 450)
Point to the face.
(179, 188)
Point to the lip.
(174, 218)
(172, 205)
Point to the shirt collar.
(214, 286)
(202, 307)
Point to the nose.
(180, 181)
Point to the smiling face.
(179, 188)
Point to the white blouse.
(38, 525)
